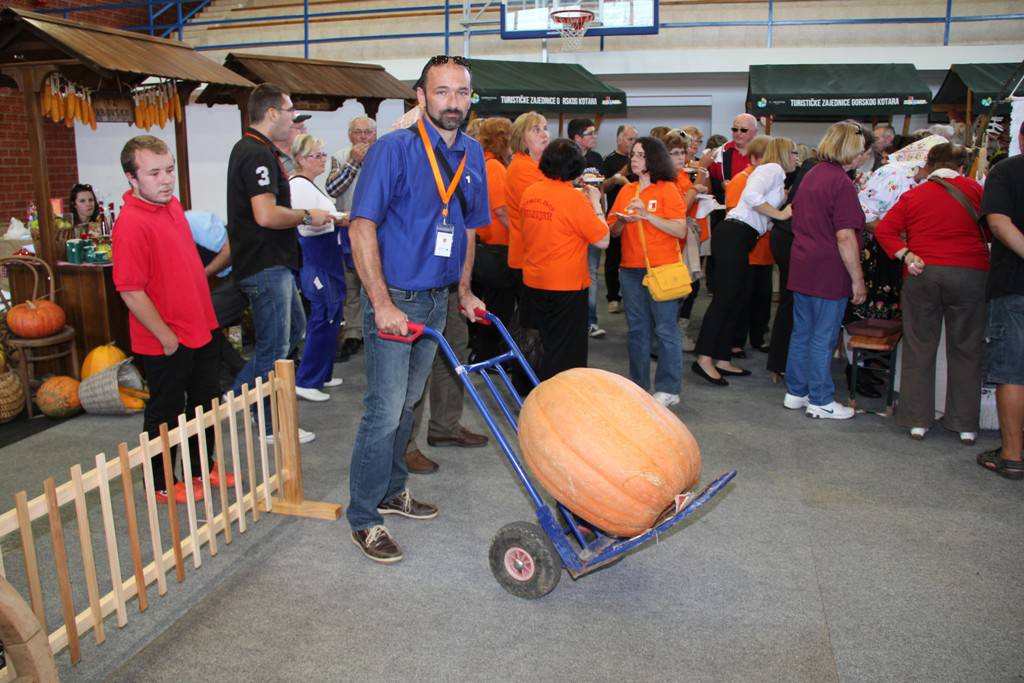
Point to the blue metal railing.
(156, 9)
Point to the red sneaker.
(229, 478)
(180, 495)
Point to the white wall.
(212, 131)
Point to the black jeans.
(782, 328)
(731, 242)
(612, 258)
(178, 384)
(561, 318)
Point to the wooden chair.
(880, 348)
(55, 347)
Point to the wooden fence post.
(292, 498)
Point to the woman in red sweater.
(946, 255)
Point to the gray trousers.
(353, 328)
(443, 387)
(955, 296)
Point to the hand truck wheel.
(524, 561)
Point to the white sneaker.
(666, 399)
(311, 394)
(334, 382)
(304, 436)
(795, 402)
(968, 438)
(833, 411)
(596, 332)
(917, 433)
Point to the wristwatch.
(307, 218)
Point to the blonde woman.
(824, 271)
(528, 140)
(322, 278)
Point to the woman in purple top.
(824, 270)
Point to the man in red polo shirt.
(731, 158)
(159, 274)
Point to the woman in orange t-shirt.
(650, 208)
(529, 138)
(680, 148)
(558, 222)
(492, 279)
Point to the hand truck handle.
(415, 332)
(480, 313)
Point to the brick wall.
(15, 172)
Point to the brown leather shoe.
(376, 543)
(463, 438)
(407, 506)
(417, 463)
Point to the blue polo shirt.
(396, 190)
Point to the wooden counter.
(93, 306)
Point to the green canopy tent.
(503, 87)
(814, 92)
(973, 89)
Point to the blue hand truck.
(527, 558)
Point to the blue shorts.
(1004, 340)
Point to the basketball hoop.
(572, 25)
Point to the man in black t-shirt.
(1003, 207)
(615, 169)
(261, 231)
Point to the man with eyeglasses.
(583, 132)
(731, 158)
(345, 167)
(422, 193)
(262, 234)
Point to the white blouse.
(766, 185)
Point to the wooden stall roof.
(313, 83)
(91, 55)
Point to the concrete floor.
(842, 551)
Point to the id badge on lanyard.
(444, 238)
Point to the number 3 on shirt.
(263, 173)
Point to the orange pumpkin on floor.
(34, 319)
(58, 397)
(605, 449)
(101, 358)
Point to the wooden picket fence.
(248, 504)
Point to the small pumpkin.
(101, 358)
(34, 319)
(605, 449)
(58, 397)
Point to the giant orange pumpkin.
(101, 358)
(58, 397)
(34, 319)
(605, 449)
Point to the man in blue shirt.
(413, 232)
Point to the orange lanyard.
(444, 193)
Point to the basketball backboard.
(532, 18)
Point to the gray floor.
(842, 551)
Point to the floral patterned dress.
(883, 276)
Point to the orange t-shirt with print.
(558, 223)
(496, 232)
(761, 254)
(662, 199)
(522, 172)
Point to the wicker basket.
(12, 396)
(99, 394)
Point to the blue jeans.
(593, 260)
(278, 317)
(396, 373)
(642, 315)
(816, 324)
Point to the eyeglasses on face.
(740, 130)
(444, 59)
(588, 134)
(317, 155)
(289, 110)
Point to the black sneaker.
(376, 543)
(404, 504)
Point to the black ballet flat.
(721, 381)
(733, 373)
